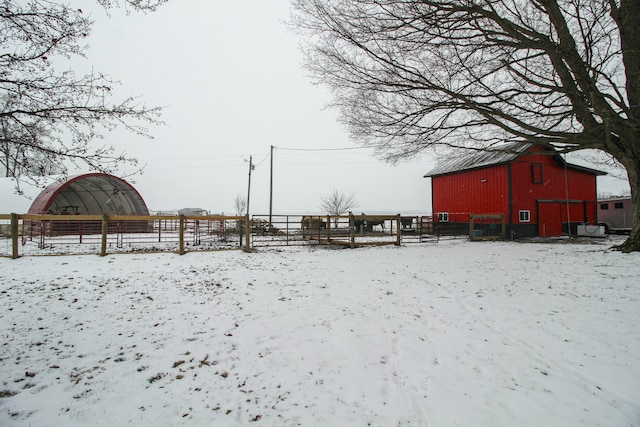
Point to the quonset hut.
(91, 194)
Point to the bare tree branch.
(52, 119)
(240, 205)
(337, 203)
(407, 76)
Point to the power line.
(262, 161)
(327, 163)
(299, 163)
(322, 149)
(298, 153)
(247, 155)
(240, 156)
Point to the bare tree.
(410, 75)
(51, 118)
(240, 205)
(136, 5)
(337, 203)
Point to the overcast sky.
(230, 76)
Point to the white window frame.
(524, 215)
(443, 216)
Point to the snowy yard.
(457, 333)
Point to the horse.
(366, 224)
(407, 222)
(313, 223)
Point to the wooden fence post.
(287, 228)
(105, 230)
(181, 234)
(14, 236)
(398, 229)
(471, 221)
(352, 232)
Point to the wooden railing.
(111, 233)
(29, 234)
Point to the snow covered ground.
(457, 333)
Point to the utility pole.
(249, 186)
(271, 189)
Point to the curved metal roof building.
(90, 194)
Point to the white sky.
(230, 77)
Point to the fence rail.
(345, 230)
(486, 227)
(102, 234)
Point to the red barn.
(536, 190)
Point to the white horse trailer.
(615, 214)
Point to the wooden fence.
(345, 230)
(486, 227)
(103, 234)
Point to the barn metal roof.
(496, 156)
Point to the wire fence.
(345, 230)
(486, 227)
(103, 234)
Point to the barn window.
(618, 205)
(604, 206)
(443, 216)
(536, 174)
(524, 216)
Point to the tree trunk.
(633, 242)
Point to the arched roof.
(90, 194)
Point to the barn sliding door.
(549, 219)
